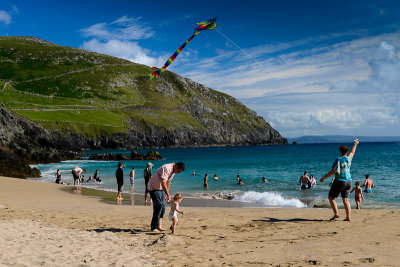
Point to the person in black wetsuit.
(119, 174)
(96, 177)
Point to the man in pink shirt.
(158, 187)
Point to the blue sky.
(307, 67)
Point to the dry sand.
(43, 225)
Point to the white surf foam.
(270, 199)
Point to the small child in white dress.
(173, 214)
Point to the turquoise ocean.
(281, 165)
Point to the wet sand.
(42, 224)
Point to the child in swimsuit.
(132, 177)
(173, 214)
(358, 194)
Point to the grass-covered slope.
(77, 91)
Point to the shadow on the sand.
(274, 220)
(130, 231)
(118, 230)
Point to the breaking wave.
(269, 199)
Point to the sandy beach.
(44, 225)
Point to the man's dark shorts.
(342, 188)
(75, 175)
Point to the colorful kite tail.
(172, 58)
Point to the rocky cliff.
(28, 140)
(59, 100)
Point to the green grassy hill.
(77, 91)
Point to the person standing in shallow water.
(76, 173)
(205, 181)
(119, 175)
(58, 176)
(368, 183)
(342, 184)
(304, 181)
(132, 178)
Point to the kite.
(201, 26)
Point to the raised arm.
(327, 175)
(353, 150)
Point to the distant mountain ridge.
(314, 139)
(98, 101)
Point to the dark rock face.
(151, 155)
(108, 156)
(13, 166)
(156, 137)
(30, 141)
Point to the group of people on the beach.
(158, 186)
(79, 178)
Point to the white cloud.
(5, 17)
(122, 48)
(123, 28)
(120, 39)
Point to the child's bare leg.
(174, 223)
(358, 205)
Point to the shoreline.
(136, 198)
(108, 196)
(41, 224)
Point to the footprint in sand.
(367, 260)
(314, 262)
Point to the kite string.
(281, 81)
(223, 35)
